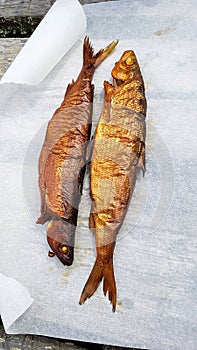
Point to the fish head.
(125, 68)
(60, 236)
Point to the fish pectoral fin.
(108, 88)
(43, 218)
(142, 160)
(105, 115)
(45, 212)
(98, 273)
(42, 187)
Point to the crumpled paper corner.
(14, 300)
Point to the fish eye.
(64, 249)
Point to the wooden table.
(18, 16)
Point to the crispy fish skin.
(63, 157)
(119, 150)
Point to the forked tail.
(88, 53)
(101, 271)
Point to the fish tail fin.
(98, 273)
(104, 53)
(109, 284)
(93, 282)
(95, 60)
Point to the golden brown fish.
(63, 157)
(119, 150)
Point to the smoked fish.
(63, 157)
(118, 152)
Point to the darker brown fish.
(63, 157)
(119, 150)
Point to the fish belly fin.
(142, 159)
(43, 218)
(98, 273)
(94, 60)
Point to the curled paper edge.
(14, 300)
(58, 31)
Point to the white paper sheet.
(62, 26)
(155, 255)
(14, 300)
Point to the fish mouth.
(61, 241)
(63, 251)
(67, 259)
(125, 68)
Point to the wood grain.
(9, 50)
(10, 8)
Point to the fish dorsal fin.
(108, 91)
(108, 97)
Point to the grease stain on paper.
(165, 31)
(50, 268)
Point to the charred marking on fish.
(63, 157)
(119, 150)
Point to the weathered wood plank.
(9, 48)
(92, 1)
(18, 19)
(10, 8)
(18, 27)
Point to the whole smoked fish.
(119, 150)
(63, 157)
